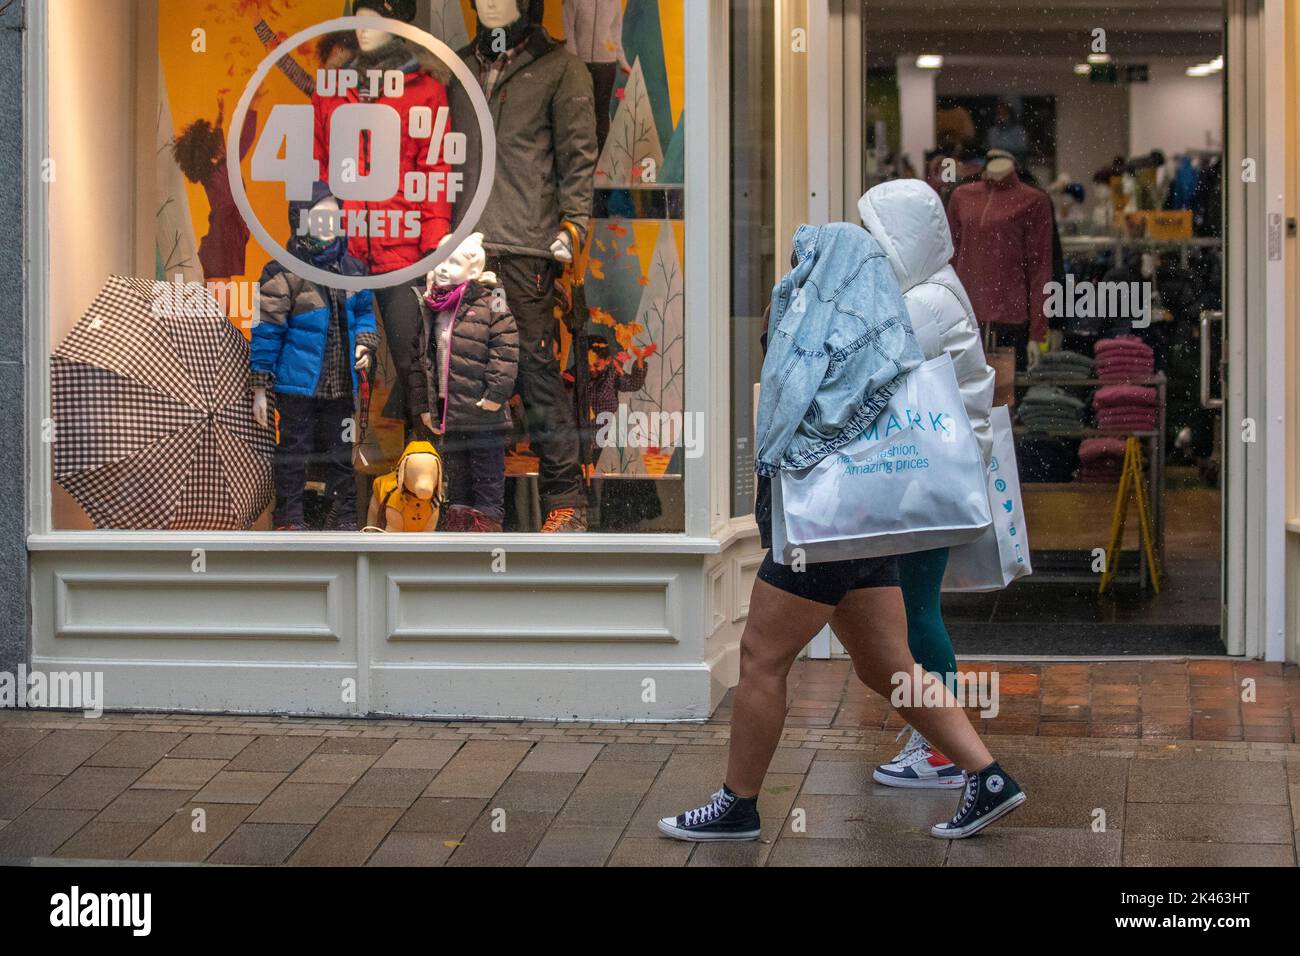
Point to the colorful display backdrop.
(634, 280)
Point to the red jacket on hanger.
(1002, 233)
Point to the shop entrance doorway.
(1111, 120)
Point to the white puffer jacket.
(907, 218)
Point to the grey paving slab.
(752, 853)
(212, 746)
(15, 741)
(89, 788)
(608, 794)
(418, 755)
(388, 787)
(572, 846)
(1204, 781)
(888, 849)
(1209, 823)
(260, 844)
(298, 803)
(40, 832)
(173, 773)
(478, 769)
(275, 754)
(140, 749)
(539, 791)
(333, 768)
(1006, 844)
(498, 839)
(145, 806)
(412, 848)
(650, 851)
(188, 838)
(20, 790)
(239, 786)
(559, 758)
(60, 752)
(346, 837)
(1145, 852)
(866, 816)
(449, 817)
(103, 840)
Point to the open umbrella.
(153, 421)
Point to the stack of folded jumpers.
(1125, 408)
(1124, 359)
(1101, 460)
(1047, 409)
(1062, 364)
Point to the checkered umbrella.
(153, 421)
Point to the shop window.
(283, 296)
(753, 224)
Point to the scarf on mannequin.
(320, 253)
(446, 299)
(488, 47)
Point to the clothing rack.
(1083, 245)
(1155, 441)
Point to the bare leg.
(779, 627)
(872, 625)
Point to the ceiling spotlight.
(1082, 69)
(1098, 58)
(929, 61)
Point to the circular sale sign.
(285, 152)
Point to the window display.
(483, 253)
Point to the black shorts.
(829, 582)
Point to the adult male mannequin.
(540, 97)
(1002, 232)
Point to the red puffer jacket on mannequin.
(393, 249)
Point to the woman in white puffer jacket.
(906, 217)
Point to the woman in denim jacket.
(839, 346)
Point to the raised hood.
(907, 218)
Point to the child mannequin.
(307, 345)
(466, 359)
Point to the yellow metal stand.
(1134, 479)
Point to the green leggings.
(922, 577)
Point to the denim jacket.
(840, 342)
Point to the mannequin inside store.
(1076, 167)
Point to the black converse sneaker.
(990, 795)
(725, 817)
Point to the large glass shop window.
(386, 266)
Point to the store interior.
(1112, 115)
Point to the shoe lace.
(717, 805)
(914, 743)
(968, 798)
(557, 519)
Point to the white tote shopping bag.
(913, 481)
(1002, 554)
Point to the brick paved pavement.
(1184, 772)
